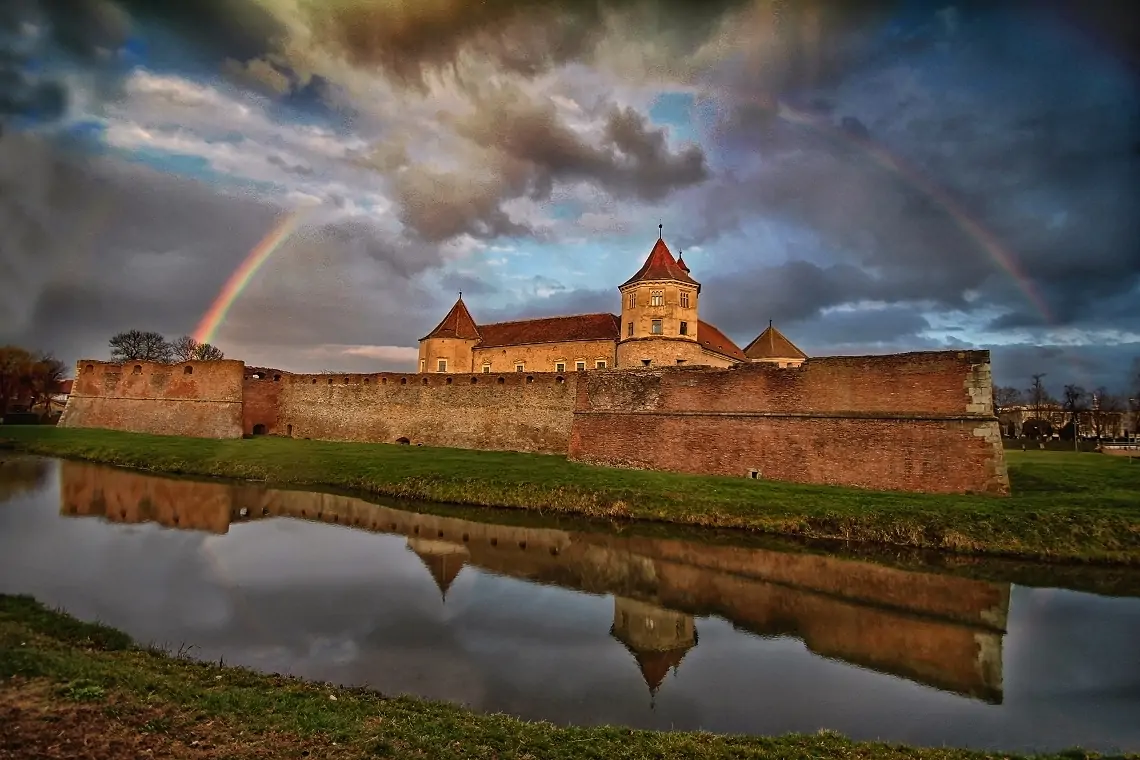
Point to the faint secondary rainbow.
(989, 242)
(208, 326)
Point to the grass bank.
(79, 690)
(1065, 507)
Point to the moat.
(572, 625)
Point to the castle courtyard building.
(659, 325)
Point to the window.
(518, 368)
(560, 367)
(684, 328)
(655, 327)
(657, 298)
(190, 371)
(423, 365)
(629, 329)
(486, 369)
(632, 300)
(645, 362)
(684, 299)
(441, 365)
(680, 361)
(600, 364)
(580, 366)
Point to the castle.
(655, 388)
(659, 325)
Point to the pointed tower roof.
(660, 265)
(457, 324)
(444, 561)
(771, 344)
(681, 262)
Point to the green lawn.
(90, 691)
(1066, 506)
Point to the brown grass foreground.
(76, 690)
(1065, 507)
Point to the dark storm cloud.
(527, 150)
(1014, 137)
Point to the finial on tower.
(660, 230)
(461, 295)
(769, 323)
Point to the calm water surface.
(571, 626)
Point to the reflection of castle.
(942, 631)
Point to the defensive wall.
(200, 399)
(944, 631)
(912, 422)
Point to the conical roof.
(457, 324)
(771, 344)
(444, 562)
(660, 265)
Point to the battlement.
(916, 421)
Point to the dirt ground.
(36, 722)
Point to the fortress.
(654, 388)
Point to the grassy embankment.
(79, 690)
(1065, 507)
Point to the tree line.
(29, 375)
(1100, 406)
(146, 346)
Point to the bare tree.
(1106, 408)
(1005, 397)
(43, 380)
(14, 365)
(136, 345)
(1074, 404)
(188, 349)
(1038, 398)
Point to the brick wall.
(914, 422)
(664, 352)
(199, 399)
(260, 403)
(508, 411)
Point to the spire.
(660, 265)
(681, 261)
(457, 324)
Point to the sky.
(873, 176)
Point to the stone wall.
(200, 399)
(542, 357)
(665, 352)
(914, 422)
(510, 411)
(261, 398)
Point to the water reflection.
(555, 624)
(938, 630)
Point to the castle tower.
(771, 347)
(448, 348)
(656, 637)
(659, 313)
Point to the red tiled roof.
(712, 339)
(771, 344)
(660, 265)
(550, 330)
(457, 324)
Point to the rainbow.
(238, 281)
(989, 242)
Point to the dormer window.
(684, 300)
(657, 298)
